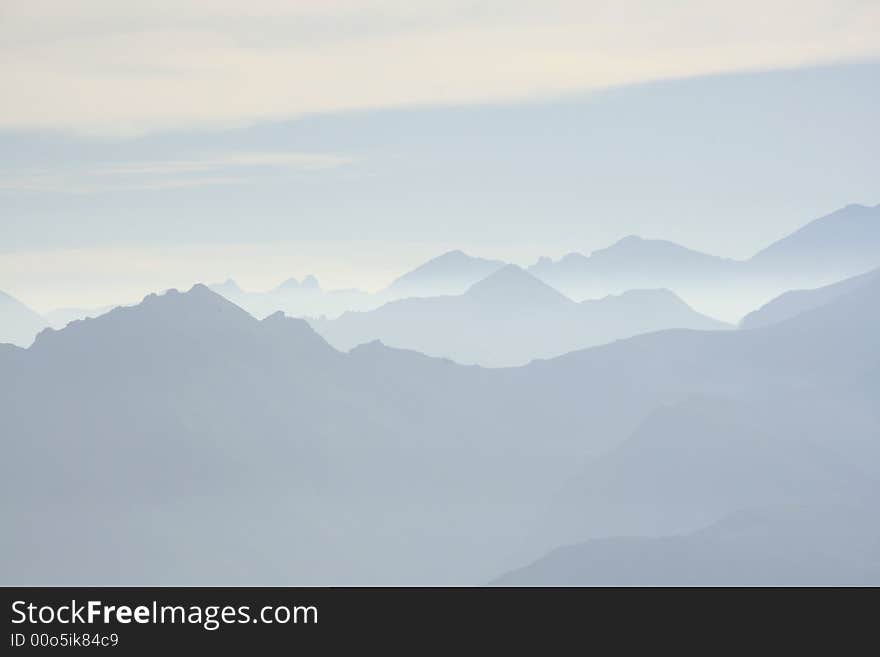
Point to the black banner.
(148, 620)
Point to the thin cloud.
(228, 169)
(299, 161)
(103, 67)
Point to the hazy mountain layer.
(795, 302)
(842, 244)
(796, 545)
(510, 318)
(845, 242)
(18, 323)
(296, 299)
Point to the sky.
(148, 145)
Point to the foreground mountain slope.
(796, 545)
(184, 416)
(696, 461)
(61, 317)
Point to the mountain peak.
(449, 273)
(515, 286)
(198, 312)
(308, 283)
(455, 254)
(641, 244)
(198, 293)
(450, 258)
(229, 289)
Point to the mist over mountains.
(296, 298)
(720, 288)
(18, 323)
(826, 250)
(343, 294)
(225, 449)
(510, 318)
(230, 443)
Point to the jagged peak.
(310, 282)
(227, 286)
(198, 306)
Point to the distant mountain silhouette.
(450, 273)
(631, 263)
(308, 283)
(795, 302)
(296, 298)
(797, 545)
(513, 285)
(228, 288)
(18, 323)
(843, 243)
(510, 318)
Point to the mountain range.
(225, 449)
(831, 248)
(450, 273)
(510, 318)
(296, 298)
(842, 244)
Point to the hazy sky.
(152, 144)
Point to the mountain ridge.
(508, 319)
(18, 323)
